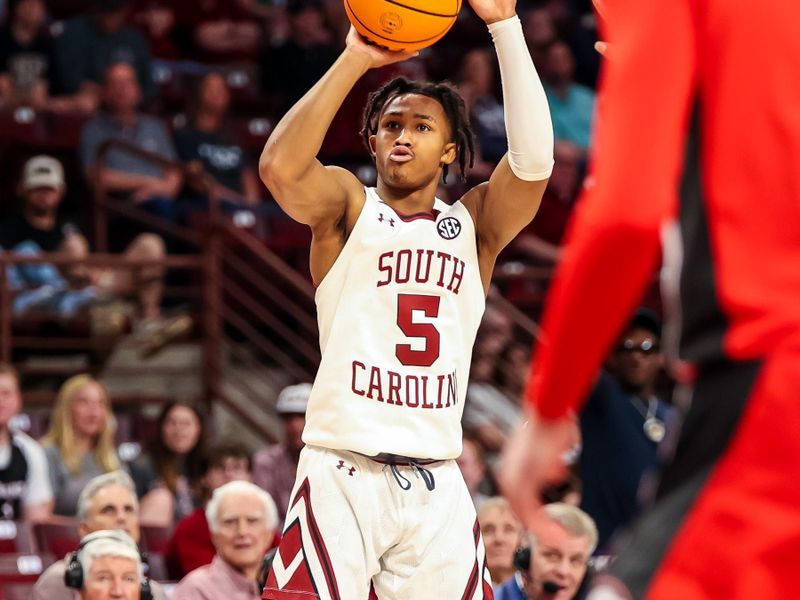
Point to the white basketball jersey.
(398, 313)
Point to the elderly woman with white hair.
(242, 518)
(107, 566)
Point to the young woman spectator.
(174, 458)
(216, 161)
(80, 443)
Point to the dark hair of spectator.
(445, 94)
(167, 464)
(217, 453)
(195, 101)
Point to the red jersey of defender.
(726, 72)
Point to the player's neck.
(407, 201)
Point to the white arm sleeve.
(527, 115)
(39, 489)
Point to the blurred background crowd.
(157, 329)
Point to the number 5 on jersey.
(429, 306)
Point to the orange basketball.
(402, 24)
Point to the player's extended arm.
(614, 240)
(307, 191)
(511, 198)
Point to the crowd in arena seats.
(193, 88)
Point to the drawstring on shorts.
(419, 471)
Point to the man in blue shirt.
(622, 425)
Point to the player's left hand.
(533, 458)
(494, 10)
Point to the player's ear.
(448, 153)
(372, 145)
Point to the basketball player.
(401, 282)
(698, 129)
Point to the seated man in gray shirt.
(107, 502)
(124, 174)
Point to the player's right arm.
(310, 193)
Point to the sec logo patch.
(449, 228)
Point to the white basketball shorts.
(408, 531)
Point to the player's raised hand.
(378, 57)
(494, 10)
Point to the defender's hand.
(377, 57)
(494, 10)
(533, 458)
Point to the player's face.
(557, 556)
(413, 142)
(501, 533)
(243, 535)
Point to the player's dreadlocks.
(460, 128)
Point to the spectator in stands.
(502, 534)
(475, 472)
(91, 43)
(174, 458)
(571, 104)
(191, 546)
(43, 288)
(221, 31)
(216, 163)
(107, 502)
(622, 426)
(80, 442)
(292, 68)
(476, 82)
(555, 562)
(107, 565)
(156, 20)
(26, 55)
(25, 492)
(275, 467)
(489, 415)
(541, 240)
(151, 186)
(540, 33)
(39, 228)
(243, 520)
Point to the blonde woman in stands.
(80, 443)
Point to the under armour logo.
(389, 220)
(350, 470)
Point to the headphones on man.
(73, 575)
(522, 558)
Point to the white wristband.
(529, 128)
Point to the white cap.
(293, 399)
(42, 171)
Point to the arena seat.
(23, 568)
(155, 539)
(16, 591)
(16, 537)
(58, 539)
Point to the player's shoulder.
(346, 178)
